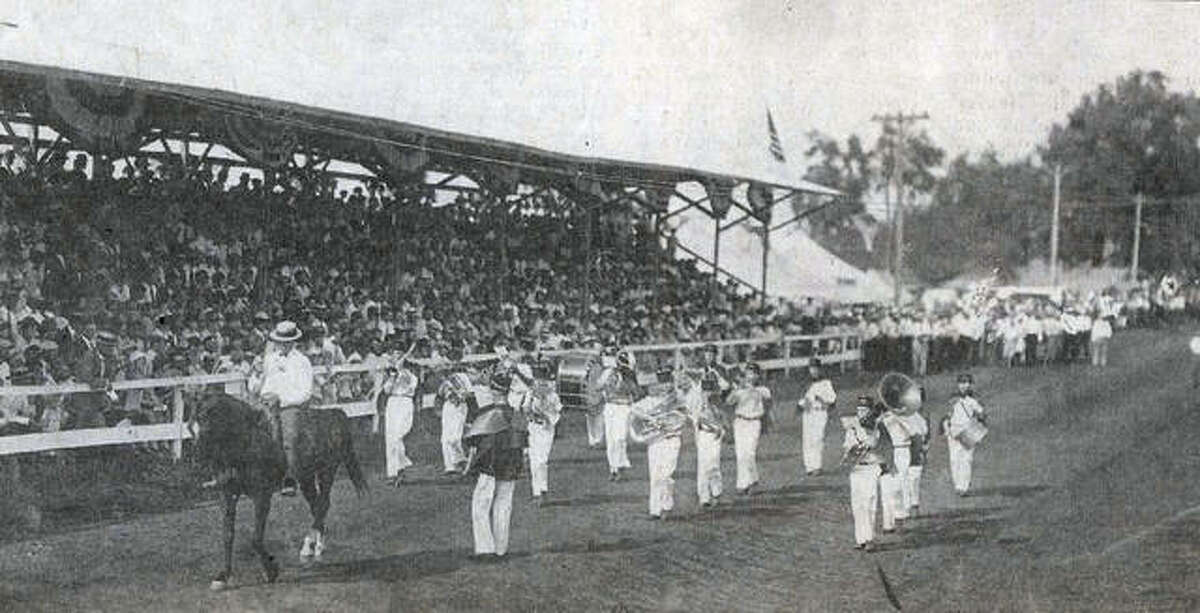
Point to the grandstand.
(180, 219)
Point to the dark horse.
(234, 439)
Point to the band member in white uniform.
(814, 407)
(902, 399)
(710, 428)
(522, 372)
(964, 409)
(457, 396)
(595, 415)
(543, 407)
(919, 449)
(860, 449)
(399, 388)
(621, 389)
(497, 441)
(751, 407)
(658, 420)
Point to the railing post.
(844, 348)
(787, 357)
(177, 415)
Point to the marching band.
(491, 435)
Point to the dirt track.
(1084, 496)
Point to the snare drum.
(579, 382)
(972, 434)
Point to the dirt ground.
(1085, 499)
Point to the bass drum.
(579, 382)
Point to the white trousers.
(745, 448)
(662, 456)
(491, 510)
(616, 433)
(960, 464)
(595, 428)
(708, 466)
(541, 439)
(893, 489)
(864, 491)
(914, 486)
(454, 419)
(813, 434)
(397, 425)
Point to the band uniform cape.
(499, 437)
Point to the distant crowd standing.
(1022, 332)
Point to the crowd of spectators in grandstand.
(157, 270)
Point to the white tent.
(797, 267)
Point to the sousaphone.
(891, 390)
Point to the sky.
(685, 83)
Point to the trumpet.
(708, 420)
(539, 404)
(851, 456)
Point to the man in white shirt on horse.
(286, 387)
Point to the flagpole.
(766, 247)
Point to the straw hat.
(285, 332)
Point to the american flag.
(776, 146)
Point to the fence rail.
(841, 349)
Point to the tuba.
(892, 388)
(692, 381)
(656, 417)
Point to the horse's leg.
(308, 488)
(221, 581)
(321, 508)
(262, 508)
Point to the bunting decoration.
(402, 164)
(266, 143)
(95, 116)
(762, 199)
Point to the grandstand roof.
(172, 109)
(480, 78)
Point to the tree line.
(975, 213)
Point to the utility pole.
(1137, 236)
(901, 120)
(1054, 226)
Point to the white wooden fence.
(843, 350)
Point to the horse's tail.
(350, 459)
